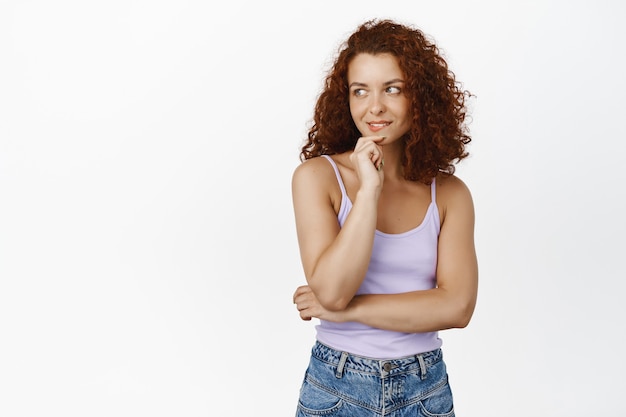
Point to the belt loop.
(420, 359)
(342, 362)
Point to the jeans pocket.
(315, 401)
(438, 404)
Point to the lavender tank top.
(400, 262)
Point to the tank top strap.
(338, 175)
(433, 191)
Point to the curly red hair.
(438, 134)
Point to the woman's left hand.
(307, 304)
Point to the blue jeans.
(338, 384)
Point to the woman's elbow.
(462, 315)
(331, 300)
(334, 303)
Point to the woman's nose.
(376, 105)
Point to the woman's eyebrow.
(395, 80)
(359, 84)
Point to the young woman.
(385, 228)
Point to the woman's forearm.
(340, 269)
(412, 312)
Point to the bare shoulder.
(453, 195)
(451, 184)
(313, 170)
(316, 177)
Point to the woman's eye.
(393, 90)
(358, 92)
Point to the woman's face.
(378, 104)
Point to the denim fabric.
(337, 384)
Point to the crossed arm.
(333, 282)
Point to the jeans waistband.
(345, 360)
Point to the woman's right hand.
(367, 160)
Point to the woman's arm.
(335, 259)
(449, 305)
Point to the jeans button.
(387, 367)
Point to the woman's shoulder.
(320, 166)
(312, 167)
(452, 191)
(316, 177)
(450, 181)
(313, 173)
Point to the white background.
(147, 247)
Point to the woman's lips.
(376, 126)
